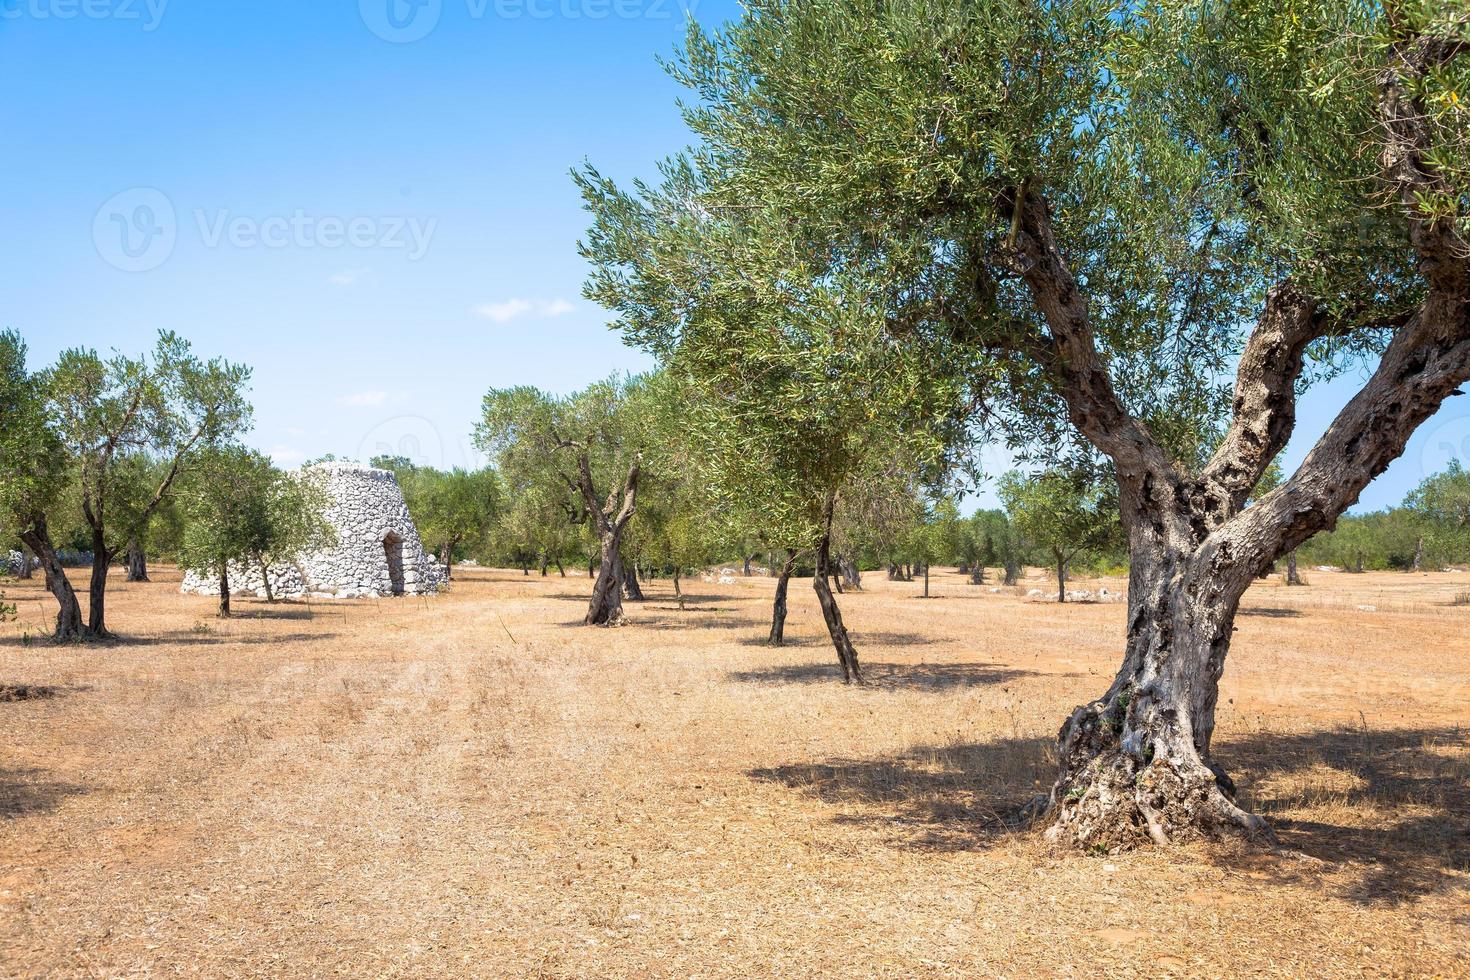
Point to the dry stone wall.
(378, 550)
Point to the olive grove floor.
(476, 784)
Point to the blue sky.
(365, 200)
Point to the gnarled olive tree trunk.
(632, 588)
(846, 652)
(778, 607)
(1136, 763)
(610, 517)
(137, 562)
(37, 538)
(224, 590)
(97, 586)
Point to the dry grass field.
(475, 784)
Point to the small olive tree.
(1065, 511)
(132, 426)
(238, 509)
(33, 473)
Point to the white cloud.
(512, 309)
(346, 277)
(363, 399)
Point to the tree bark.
(1135, 764)
(926, 580)
(1418, 554)
(852, 576)
(846, 654)
(559, 569)
(977, 574)
(1061, 563)
(777, 635)
(1292, 577)
(611, 517)
(747, 565)
(37, 538)
(224, 590)
(606, 607)
(137, 562)
(97, 587)
(265, 578)
(27, 562)
(632, 589)
(678, 589)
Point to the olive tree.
(33, 471)
(131, 427)
(587, 441)
(1064, 511)
(238, 509)
(1158, 223)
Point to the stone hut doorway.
(393, 550)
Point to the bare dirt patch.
(463, 785)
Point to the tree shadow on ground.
(703, 623)
(881, 639)
(11, 693)
(885, 676)
(789, 641)
(1269, 611)
(652, 596)
(25, 792)
(190, 638)
(956, 797)
(1394, 804)
(277, 611)
(1388, 811)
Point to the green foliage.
(452, 510)
(1065, 511)
(132, 425)
(238, 508)
(849, 203)
(33, 464)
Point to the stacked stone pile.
(378, 551)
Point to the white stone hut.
(378, 551)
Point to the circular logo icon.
(408, 437)
(135, 231)
(1447, 440)
(400, 21)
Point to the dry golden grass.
(475, 784)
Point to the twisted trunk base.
(777, 635)
(1135, 764)
(137, 562)
(606, 606)
(1124, 785)
(69, 626)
